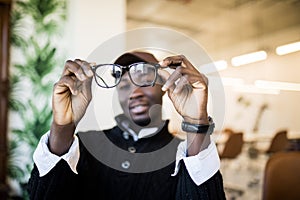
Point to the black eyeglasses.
(141, 74)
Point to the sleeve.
(59, 183)
(45, 160)
(54, 177)
(199, 176)
(212, 189)
(200, 167)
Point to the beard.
(142, 122)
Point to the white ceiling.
(220, 25)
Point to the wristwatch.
(199, 128)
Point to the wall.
(283, 111)
(92, 22)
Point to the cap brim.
(133, 57)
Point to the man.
(83, 166)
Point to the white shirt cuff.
(200, 167)
(45, 160)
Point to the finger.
(86, 67)
(199, 82)
(175, 61)
(194, 77)
(172, 61)
(185, 67)
(73, 68)
(162, 76)
(186, 63)
(182, 83)
(196, 80)
(205, 79)
(170, 83)
(66, 83)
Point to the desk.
(221, 138)
(260, 142)
(258, 137)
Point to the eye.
(124, 85)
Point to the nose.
(136, 93)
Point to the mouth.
(139, 108)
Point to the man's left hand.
(187, 88)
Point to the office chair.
(232, 149)
(282, 177)
(233, 146)
(278, 143)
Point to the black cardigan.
(96, 180)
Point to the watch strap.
(198, 128)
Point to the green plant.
(36, 25)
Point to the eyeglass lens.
(109, 75)
(142, 74)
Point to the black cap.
(135, 56)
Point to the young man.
(138, 158)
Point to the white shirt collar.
(124, 124)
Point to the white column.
(91, 22)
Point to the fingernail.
(164, 88)
(82, 77)
(90, 73)
(75, 92)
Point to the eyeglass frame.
(127, 69)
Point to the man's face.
(137, 101)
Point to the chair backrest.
(233, 146)
(282, 177)
(279, 142)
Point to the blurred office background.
(262, 90)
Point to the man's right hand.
(71, 97)
(72, 93)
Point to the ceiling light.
(277, 85)
(248, 58)
(255, 90)
(213, 66)
(228, 81)
(288, 48)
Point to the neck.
(155, 122)
(122, 119)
